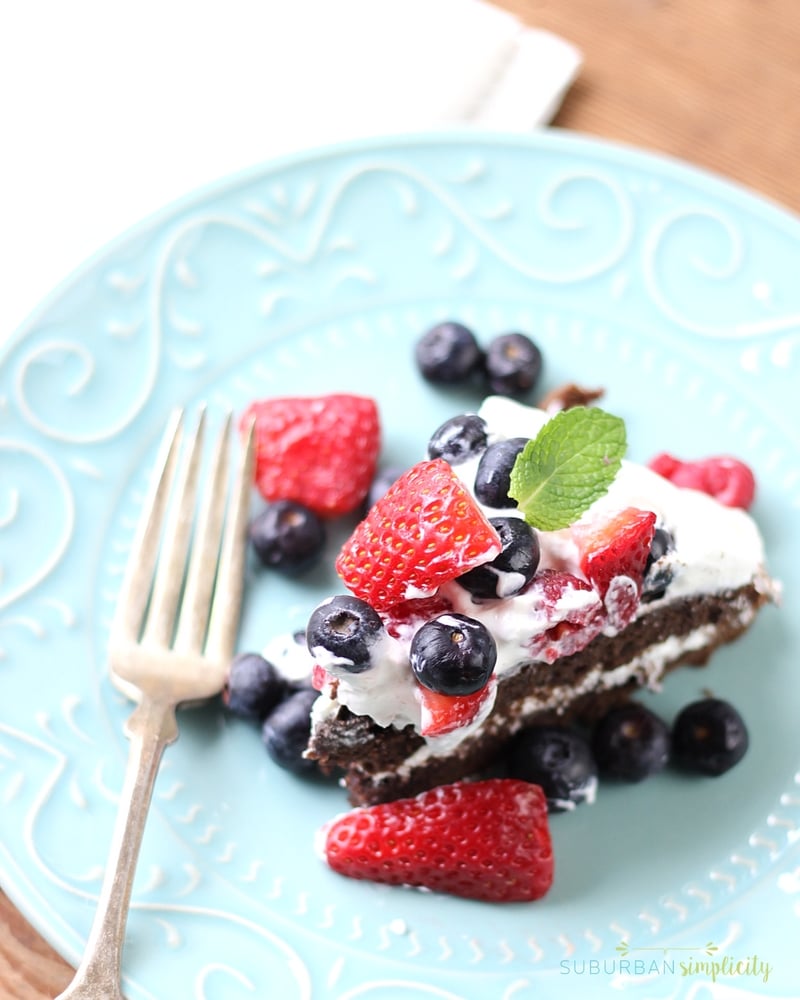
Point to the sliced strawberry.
(427, 529)
(486, 840)
(568, 613)
(320, 451)
(444, 713)
(615, 547)
(727, 479)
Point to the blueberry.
(347, 628)
(453, 654)
(709, 736)
(510, 572)
(459, 439)
(287, 536)
(630, 743)
(513, 365)
(380, 485)
(253, 686)
(448, 353)
(286, 731)
(493, 476)
(557, 759)
(657, 571)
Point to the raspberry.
(727, 479)
(427, 529)
(486, 840)
(320, 451)
(570, 612)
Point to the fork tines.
(184, 579)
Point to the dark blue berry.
(347, 628)
(287, 536)
(709, 736)
(448, 353)
(286, 730)
(630, 743)
(513, 365)
(380, 485)
(493, 476)
(453, 654)
(459, 439)
(657, 570)
(557, 759)
(253, 686)
(510, 572)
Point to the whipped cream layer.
(716, 549)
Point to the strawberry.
(615, 547)
(728, 480)
(425, 530)
(320, 451)
(486, 840)
(613, 555)
(443, 713)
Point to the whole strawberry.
(320, 451)
(425, 530)
(486, 840)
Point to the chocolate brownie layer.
(376, 760)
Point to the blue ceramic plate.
(675, 291)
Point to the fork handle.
(151, 727)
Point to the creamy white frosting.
(716, 548)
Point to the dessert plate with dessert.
(670, 293)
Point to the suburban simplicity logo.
(704, 962)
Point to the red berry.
(615, 547)
(727, 479)
(320, 451)
(403, 619)
(572, 614)
(443, 713)
(486, 840)
(427, 529)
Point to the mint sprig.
(568, 465)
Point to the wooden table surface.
(715, 83)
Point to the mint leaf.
(568, 465)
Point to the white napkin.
(110, 110)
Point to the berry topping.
(320, 451)
(618, 546)
(402, 620)
(630, 743)
(458, 439)
(728, 480)
(448, 353)
(657, 570)
(557, 759)
(424, 531)
(486, 840)
(511, 571)
(253, 686)
(453, 654)
(709, 736)
(286, 730)
(566, 613)
(513, 365)
(347, 629)
(493, 476)
(287, 536)
(444, 713)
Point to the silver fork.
(171, 641)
